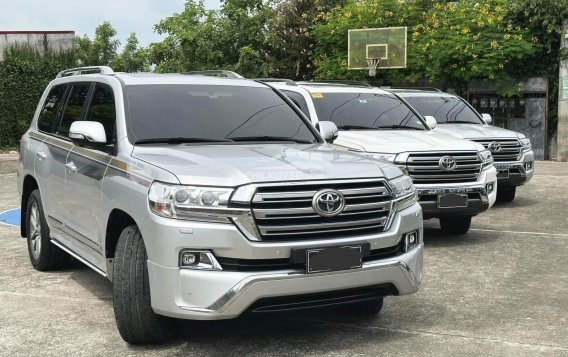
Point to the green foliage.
(100, 51)
(24, 74)
(133, 58)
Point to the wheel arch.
(29, 185)
(116, 222)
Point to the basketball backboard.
(388, 44)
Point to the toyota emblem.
(447, 163)
(494, 146)
(328, 203)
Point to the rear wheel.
(136, 321)
(455, 225)
(506, 193)
(44, 256)
(368, 307)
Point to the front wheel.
(455, 225)
(506, 193)
(44, 256)
(137, 322)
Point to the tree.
(133, 58)
(100, 51)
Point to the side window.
(299, 100)
(48, 117)
(103, 110)
(74, 107)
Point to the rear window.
(211, 112)
(444, 109)
(372, 110)
(47, 120)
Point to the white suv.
(455, 178)
(512, 152)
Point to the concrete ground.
(500, 290)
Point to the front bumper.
(224, 294)
(516, 173)
(479, 198)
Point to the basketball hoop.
(372, 63)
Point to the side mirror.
(487, 118)
(431, 121)
(328, 130)
(89, 134)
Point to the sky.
(83, 16)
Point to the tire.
(136, 321)
(44, 256)
(368, 307)
(455, 225)
(506, 193)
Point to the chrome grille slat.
(286, 213)
(511, 148)
(424, 167)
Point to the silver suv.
(204, 198)
(512, 152)
(455, 178)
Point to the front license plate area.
(503, 174)
(452, 200)
(333, 259)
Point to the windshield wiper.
(270, 138)
(398, 127)
(180, 140)
(349, 127)
(458, 122)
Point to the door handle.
(41, 155)
(71, 168)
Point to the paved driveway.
(501, 290)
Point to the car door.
(85, 172)
(50, 156)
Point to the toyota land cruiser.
(455, 178)
(514, 158)
(204, 198)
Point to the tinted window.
(103, 110)
(299, 100)
(211, 112)
(74, 107)
(444, 109)
(371, 110)
(48, 116)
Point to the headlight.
(526, 143)
(486, 158)
(379, 156)
(178, 201)
(403, 191)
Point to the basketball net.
(372, 63)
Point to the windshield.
(444, 109)
(212, 113)
(365, 111)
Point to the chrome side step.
(76, 256)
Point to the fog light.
(528, 166)
(410, 240)
(189, 258)
(489, 187)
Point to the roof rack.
(216, 73)
(431, 89)
(277, 80)
(85, 70)
(340, 82)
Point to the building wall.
(40, 40)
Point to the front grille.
(286, 213)
(510, 148)
(424, 168)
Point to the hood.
(234, 165)
(398, 141)
(476, 131)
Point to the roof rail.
(85, 70)
(216, 73)
(340, 82)
(432, 89)
(277, 80)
